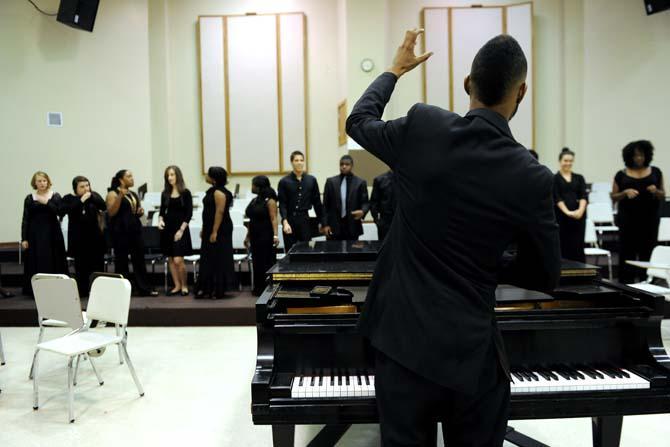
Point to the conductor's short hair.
(496, 68)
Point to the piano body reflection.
(591, 348)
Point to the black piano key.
(559, 370)
(623, 373)
(532, 374)
(518, 376)
(614, 371)
(300, 382)
(320, 380)
(543, 374)
(366, 377)
(571, 372)
(596, 374)
(358, 377)
(311, 381)
(586, 371)
(346, 380)
(549, 372)
(332, 380)
(576, 373)
(607, 372)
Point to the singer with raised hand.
(464, 190)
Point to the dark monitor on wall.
(78, 14)
(654, 6)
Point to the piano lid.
(334, 251)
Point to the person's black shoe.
(172, 292)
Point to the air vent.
(54, 119)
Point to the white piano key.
(294, 387)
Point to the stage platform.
(238, 310)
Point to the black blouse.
(646, 204)
(569, 192)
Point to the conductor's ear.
(466, 84)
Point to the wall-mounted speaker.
(78, 14)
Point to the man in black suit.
(382, 203)
(465, 190)
(345, 202)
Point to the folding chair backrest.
(600, 212)
(239, 233)
(590, 236)
(664, 230)
(369, 232)
(237, 216)
(109, 300)
(601, 187)
(660, 255)
(57, 298)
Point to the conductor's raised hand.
(405, 60)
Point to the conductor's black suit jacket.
(465, 190)
(357, 199)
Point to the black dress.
(175, 211)
(85, 240)
(46, 247)
(571, 230)
(261, 237)
(126, 230)
(638, 221)
(217, 269)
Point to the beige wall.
(129, 90)
(99, 80)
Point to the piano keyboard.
(560, 378)
(340, 386)
(554, 379)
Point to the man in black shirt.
(382, 203)
(464, 190)
(345, 203)
(298, 192)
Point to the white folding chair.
(601, 187)
(599, 197)
(109, 301)
(237, 216)
(239, 234)
(664, 230)
(593, 249)
(369, 232)
(54, 317)
(602, 215)
(660, 255)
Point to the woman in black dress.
(124, 210)
(217, 270)
(570, 198)
(262, 231)
(41, 236)
(638, 188)
(175, 214)
(85, 241)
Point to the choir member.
(345, 203)
(217, 270)
(298, 193)
(175, 214)
(382, 203)
(570, 197)
(85, 240)
(262, 235)
(41, 235)
(124, 210)
(638, 189)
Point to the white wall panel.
(519, 26)
(436, 25)
(471, 29)
(212, 92)
(291, 37)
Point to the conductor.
(465, 190)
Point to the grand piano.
(591, 348)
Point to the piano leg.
(329, 435)
(283, 435)
(606, 430)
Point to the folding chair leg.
(76, 371)
(39, 340)
(122, 346)
(609, 264)
(250, 265)
(70, 390)
(165, 279)
(2, 352)
(35, 386)
(118, 334)
(95, 370)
